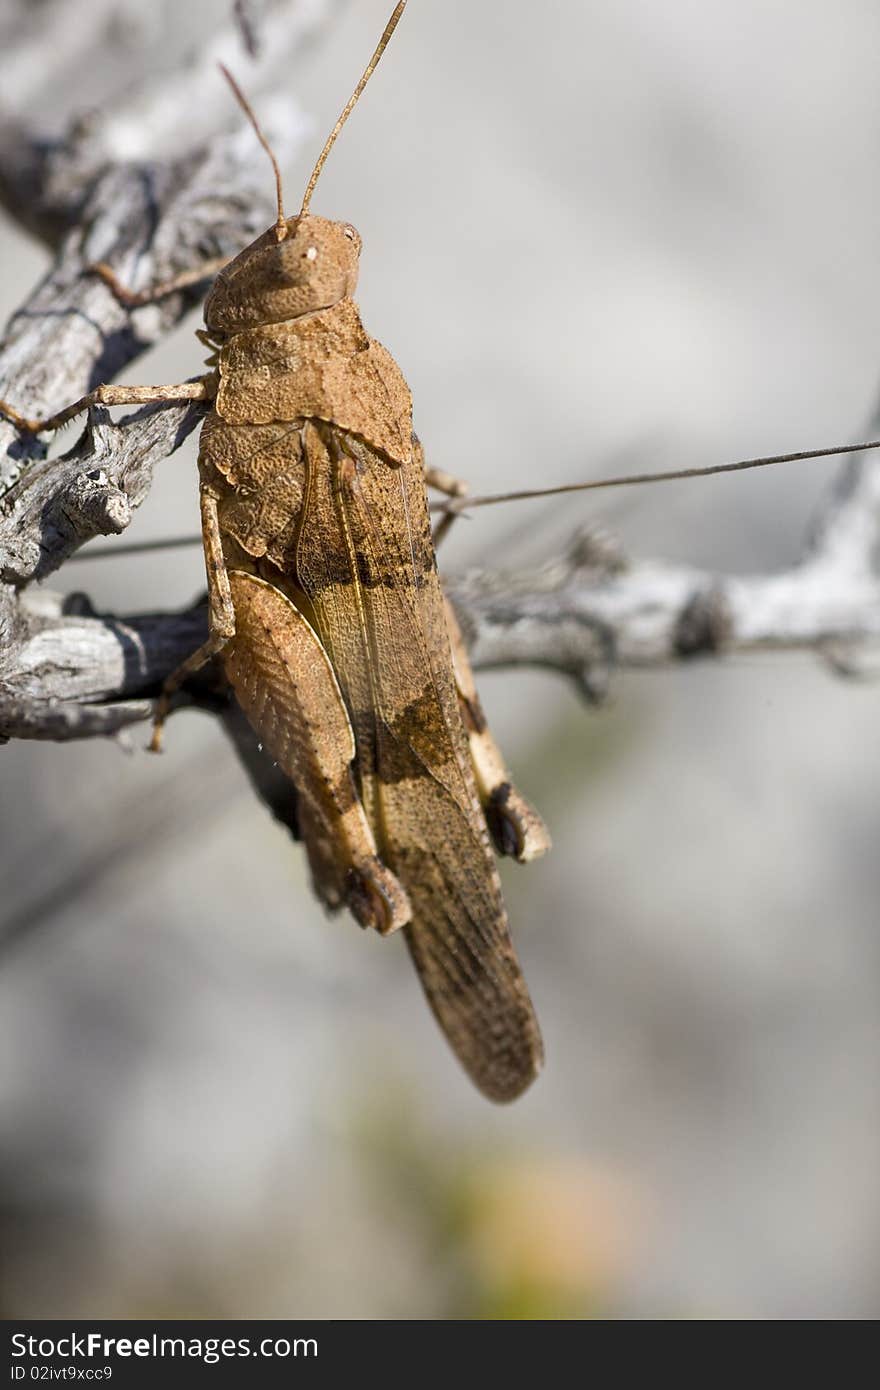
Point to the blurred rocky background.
(597, 237)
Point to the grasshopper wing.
(366, 563)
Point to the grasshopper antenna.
(460, 505)
(350, 105)
(280, 221)
(464, 504)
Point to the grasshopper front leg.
(133, 299)
(201, 390)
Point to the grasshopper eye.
(352, 234)
(312, 253)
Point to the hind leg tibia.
(515, 827)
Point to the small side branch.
(92, 490)
(578, 617)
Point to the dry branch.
(67, 672)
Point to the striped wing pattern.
(365, 563)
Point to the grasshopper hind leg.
(286, 687)
(516, 828)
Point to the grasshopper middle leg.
(221, 615)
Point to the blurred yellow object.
(549, 1236)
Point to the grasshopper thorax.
(313, 266)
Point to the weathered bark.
(75, 674)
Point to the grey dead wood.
(149, 217)
(68, 672)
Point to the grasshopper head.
(303, 263)
(313, 267)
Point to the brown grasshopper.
(326, 610)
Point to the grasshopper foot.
(376, 898)
(163, 708)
